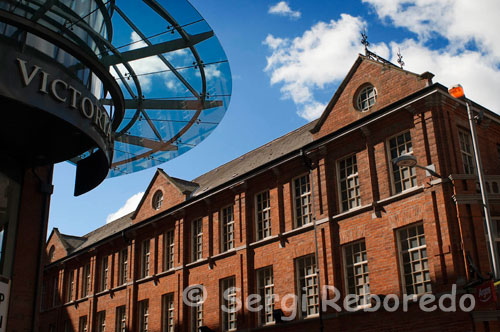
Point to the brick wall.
(451, 229)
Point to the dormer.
(371, 85)
(163, 193)
(60, 245)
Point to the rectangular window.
(197, 239)
(122, 276)
(167, 312)
(86, 280)
(263, 214)
(145, 258)
(197, 312)
(101, 321)
(356, 272)
(70, 286)
(349, 183)
(265, 285)
(55, 291)
(104, 274)
(121, 320)
(467, 152)
(168, 252)
(302, 200)
(68, 327)
(144, 316)
(403, 178)
(82, 324)
(413, 256)
(228, 299)
(227, 224)
(307, 285)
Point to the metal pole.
(484, 194)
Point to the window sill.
(144, 279)
(200, 261)
(352, 212)
(266, 240)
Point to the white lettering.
(24, 72)
(453, 300)
(74, 94)
(53, 89)
(425, 300)
(87, 111)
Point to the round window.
(157, 200)
(366, 98)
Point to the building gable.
(391, 84)
(56, 247)
(162, 193)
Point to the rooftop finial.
(364, 41)
(400, 59)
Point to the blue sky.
(287, 59)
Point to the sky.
(287, 59)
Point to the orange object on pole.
(456, 91)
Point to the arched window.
(366, 98)
(157, 199)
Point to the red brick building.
(322, 205)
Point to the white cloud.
(129, 206)
(321, 56)
(460, 21)
(282, 8)
(474, 71)
(152, 64)
(469, 55)
(472, 54)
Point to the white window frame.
(356, 197)
(229, 318)
(369, 96)
(70, 286)
(392, 167)
(104, 274)
(144, 316)
(466, 152)
(121, 319)
(86, 278)
(157, 200)
(123, 267)
(306, 194)
(227, 229)
(197, 239)
(359, 288)
(145, 258)
(168, 249)
(312, 290)
(423, 261)
(101, 321)
(197, 312)
(265, 288)
(168, 312)
(263, 215)
(83, 324)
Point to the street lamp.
(407, 160)
(457, 92)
